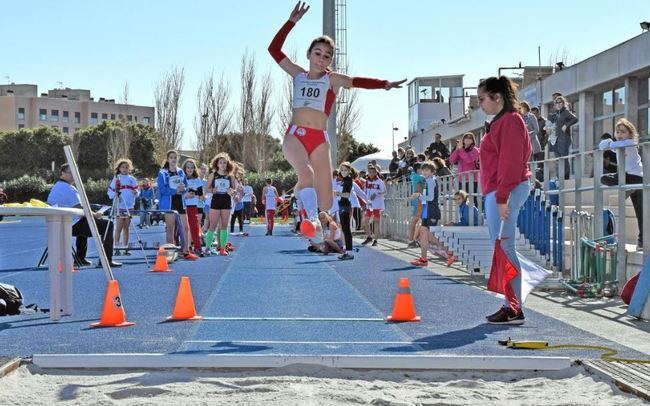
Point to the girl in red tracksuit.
(505, 150)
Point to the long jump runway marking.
(265, 300)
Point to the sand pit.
(306, 385)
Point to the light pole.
(393, 130)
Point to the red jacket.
(505, 151)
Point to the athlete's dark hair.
(351, 170)
(503, 86)
(195, 173)
(64, 168)
(171, 151)
(428, 165)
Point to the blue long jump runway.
(271, 296)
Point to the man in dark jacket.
(438, 149)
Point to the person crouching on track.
(124, 188)
(430, 214)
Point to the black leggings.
(239, 215)
(344, 216)
(358, 218)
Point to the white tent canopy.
(383, 159)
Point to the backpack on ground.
(12, 299)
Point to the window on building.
(66, 116)
(21, 126)
(42, 114)
(104, 116)
(66, 130)
(146, 120)
(93, 118)
(77, 117)
(21, 113)
(54, 116)
(112, 116)
(644, 122)
(135, 119)
(120, 116)
(619, 99)
(129, 118)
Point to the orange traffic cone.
(113, 314)
(184, 308)
(404, 308)
(161, 262)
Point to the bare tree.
(167, 96)
(213, 117)
(561, 55)
(119, 142)
(263, 118)
(246, 115)
(348, 116)
(125, 92)
(285, 101)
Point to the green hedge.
(33, 187)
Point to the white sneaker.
(214, 251)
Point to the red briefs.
(376, 213)
(310, 138)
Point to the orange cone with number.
(404, 308)
(161, 264)
(184, 308)
(113, 314)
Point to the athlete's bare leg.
(296, 155)
(322, 165)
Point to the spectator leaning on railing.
(463, 210)
(628, 137)
(393, 166)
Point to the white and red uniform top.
(375, 190)
(127, 185)
(271, 193)
(315, 94)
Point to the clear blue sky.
(100, 45)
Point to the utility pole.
(329, 28)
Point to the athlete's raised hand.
(395, 85)
(298, 11)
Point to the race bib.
(175, 180)
(221, 185)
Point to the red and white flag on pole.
(503, 271)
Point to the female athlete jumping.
(306, 144)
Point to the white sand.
(306, 385)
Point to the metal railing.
(542, 219)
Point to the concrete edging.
(414, 362)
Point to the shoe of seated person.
(84, 262)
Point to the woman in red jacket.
(505, 150)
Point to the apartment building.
(67, 109)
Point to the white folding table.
(59, 246)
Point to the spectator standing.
(438, 149)
(563, 120)
(466, 156)
(393, 167)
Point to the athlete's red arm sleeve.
(369, 83)
(275, 49)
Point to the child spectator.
(628, 137)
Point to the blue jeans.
(145, 218)
(517, 199)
